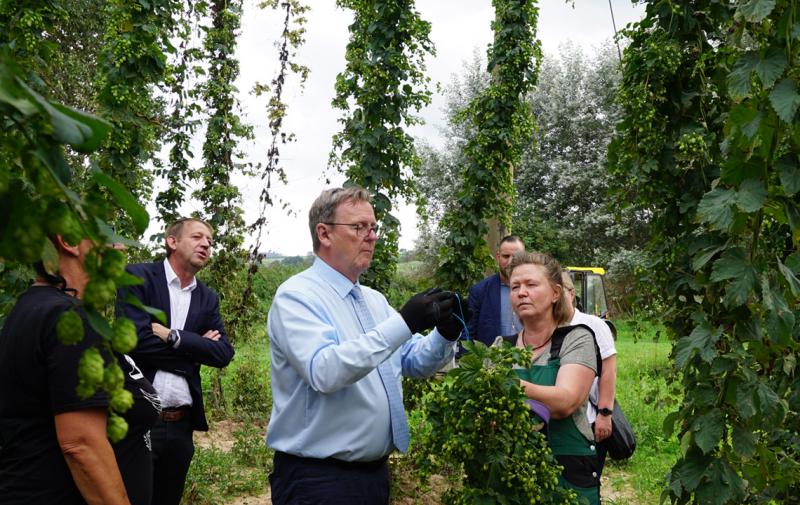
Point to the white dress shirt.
(174, 389)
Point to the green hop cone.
(85, 390)
(113, 378)
(117, 428)
(90, 367)
(113, 263)
(121, 400)
(124, 339)
(60, 220)
(69, 328)
(99, 292)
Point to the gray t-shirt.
(577, 348)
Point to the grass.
(646, 397)
(217, 475)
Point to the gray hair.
(324, 207)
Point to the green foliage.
(502, 123)
(220, 199)
(382, 86)
(183, 119)
(479, 421)
(709, 147)
(38, 203)
(251, 395)
(131, 62)
(216, 475)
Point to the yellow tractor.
(590, 292)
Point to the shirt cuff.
(394, 330)
(444, 341)
(177, 340)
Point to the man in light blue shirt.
(338, 351)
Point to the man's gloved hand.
(423, 310)
(450, 326)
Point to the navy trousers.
(173, 449)
(307, 481)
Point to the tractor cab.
(590, 292)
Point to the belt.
(173, 415)
(365, 466)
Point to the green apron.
(564, 438)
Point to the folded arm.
(153, 350)
(569, 392)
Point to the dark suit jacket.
(484, 301)
(152, 353)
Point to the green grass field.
(646, 398)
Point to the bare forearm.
(90, 458)
(608, 383)
(561, 401)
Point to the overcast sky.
(459, 27)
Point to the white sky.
(459, 27)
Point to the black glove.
(449, 325)
(423, 310)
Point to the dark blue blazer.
(152, 353)
(484, 302)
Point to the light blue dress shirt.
(327, 396)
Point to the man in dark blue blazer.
(170, 355)
(489, 299)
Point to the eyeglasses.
(362, 229)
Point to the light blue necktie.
(396, 410)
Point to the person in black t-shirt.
(53, 444)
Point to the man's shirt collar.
(172, 278)
(341, 284)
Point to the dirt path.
(220, 436)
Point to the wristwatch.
(605, 411)
(172, 337)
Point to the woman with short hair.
(562, 370)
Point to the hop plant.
(117, 428)
(99, 292)
(113, 378)
(479, 421)
(121, 400)
(59, 220)
(124, 339)
(69, 328)
(90, 368)
(113, 264)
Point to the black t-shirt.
(38, 377)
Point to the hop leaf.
(121, 400)
(69, 328)
(117, 428)
(124, 339)
(113, 378)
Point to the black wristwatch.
(172, 337)
(605, 411)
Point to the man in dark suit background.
(170, 356)
(489, 301)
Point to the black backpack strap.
(557, 340)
